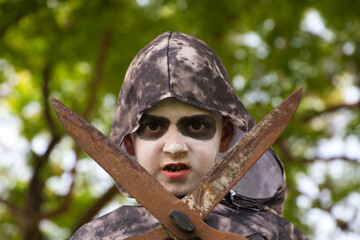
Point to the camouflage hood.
(176, 65)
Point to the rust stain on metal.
(243, 155)
(136, 180)
(153, 196)
(240, 159)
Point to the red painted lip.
(175, 171)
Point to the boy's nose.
(175, 143)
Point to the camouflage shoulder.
(119, 224)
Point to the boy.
(177, 113)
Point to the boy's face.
(177, 144)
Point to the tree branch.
(95, 82)
(45, 92)
(67, 199)
(34, 198)
(34, 193)
(12, 208)
(98, 71)
(287, 155)
(96, 207)
(344, 158)
(353, 106)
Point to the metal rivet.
(182, 220)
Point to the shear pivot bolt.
(181, 220)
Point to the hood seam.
(168, 60)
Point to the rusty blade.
(208, 233)
(158, 201)
(134, 178)
(241, 157)
(238, 160)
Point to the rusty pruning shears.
(180, 218)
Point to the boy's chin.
(179, 194)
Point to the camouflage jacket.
(180, 66)
(254, 224)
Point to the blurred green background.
(78, 51)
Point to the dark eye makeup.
(202, 127)
(152, 127)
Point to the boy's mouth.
(175, 171)
(175, 167)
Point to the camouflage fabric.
(179, 66)
(254, 225)
(176, 65)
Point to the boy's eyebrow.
(153, 118)
(197, 117)
(148, 117)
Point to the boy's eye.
(152, 127)
(202, 127)
(151, 131)
(197, 127)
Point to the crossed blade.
(202, 200)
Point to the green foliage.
(78, 51)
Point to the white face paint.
(178, 144)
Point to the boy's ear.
(129, 145)
(227, 133)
